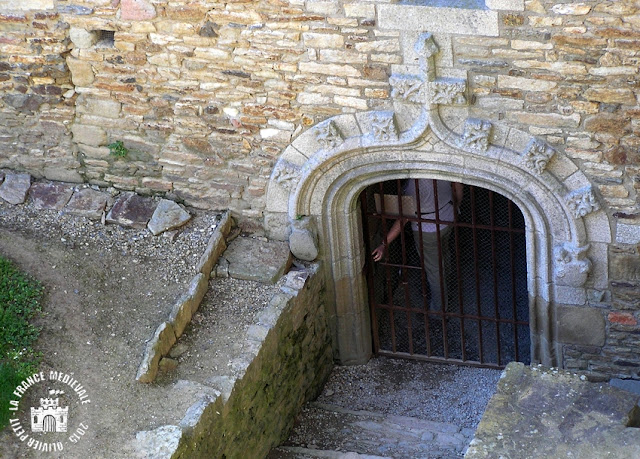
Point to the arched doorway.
(49, 424)
(455, 291)
(427, 132)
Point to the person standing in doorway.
(438, 200)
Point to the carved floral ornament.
(571, 265)
(328, 135)
(384, 127)
(448, 91)
(287, 175)
(476, 135)
(408, 88)
(537, 155)
(582, 202)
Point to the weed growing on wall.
(118, 149)
(19, 302)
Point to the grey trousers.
(431, 266)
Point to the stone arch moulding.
(312, 199)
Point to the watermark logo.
(50, 424)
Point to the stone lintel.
(433, 19)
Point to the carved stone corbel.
(571, 265)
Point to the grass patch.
(19, 302)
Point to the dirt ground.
(102, 303)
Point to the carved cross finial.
(426, 46)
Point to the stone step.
(324, 430)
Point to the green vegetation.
(19, 302)
(118, 149)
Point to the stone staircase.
(330, 431)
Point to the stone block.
(609, 95)
(81, 72)
(82, 38)
(575, 9)
(627, 234)
(580, 325)
(547, 412)
(136, 10)
(167, 216)
(160, 442)
(322, 40)
(26, 5)
(104, 107)
(570, 295)
(62, 174)
(132, 210)
(360, 10)
(526, 84)
(303, 240)
(180, 315)
(89, 135)
(432, 19)
(254, 259)
(159, 346)
(216, 245)
(513, 5)
(87, 203)
(15, 187)
(50, 195)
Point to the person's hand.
(378, 252)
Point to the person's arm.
(391, 236)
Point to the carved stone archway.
(315, 185)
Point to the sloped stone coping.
(168, 332)
(286, 359)
(547, 412)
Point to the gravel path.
(436, 392)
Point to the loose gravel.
(436, 392)
(177, 252)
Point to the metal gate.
(452, 285)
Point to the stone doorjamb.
(315, 185)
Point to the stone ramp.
(330, 431)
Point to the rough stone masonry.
(207, 95)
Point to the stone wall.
(291, 366)
(207, 95)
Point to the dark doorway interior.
(452, 286)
